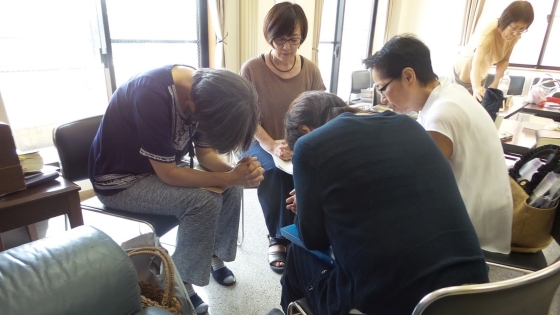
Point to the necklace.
(272, 62)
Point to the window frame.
(202, 42)
(539, 64)
(337, 41)
(105, 82)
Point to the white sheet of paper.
(286, 166)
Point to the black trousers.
(273, 192)
(306, 276)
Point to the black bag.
(550, 152)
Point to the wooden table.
(523, 138)
(552, 113)
(39, 203)
(517, 105)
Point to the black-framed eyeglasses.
(281, 41)
(383, 88)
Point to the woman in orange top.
(492, 45)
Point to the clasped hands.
(248, 171)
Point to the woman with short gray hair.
(152, 121)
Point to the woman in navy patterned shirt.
(155, 119)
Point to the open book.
(286, 166)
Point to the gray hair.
(225, 108)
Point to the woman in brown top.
(492, 45)
(279, 76)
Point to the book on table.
(31, 162)
(38, 178)
(291, 232)
(547, 137)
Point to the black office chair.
(360, 79)
(515, 86)
(528, 294)
(73, 141)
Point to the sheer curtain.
(317, 30)
(473, 10)
(217, 12)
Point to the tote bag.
(157, 275)
(531, 229)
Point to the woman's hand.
(291, 201)
(282, 151)
(478, 93)
(248, 172)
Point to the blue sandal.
(223, 276)
(199, 305)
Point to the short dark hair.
(282, 20)
(225, 108)
(517, 11)
(400, 52)
(313, 109)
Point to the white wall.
(437, 23)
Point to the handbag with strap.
(153, 294)
(531, 230)
(160, 282)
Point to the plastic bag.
(546, 86)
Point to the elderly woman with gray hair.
(152, 121)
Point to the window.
(538, 48)
(345, 40)
(56, 57)
(149, 33)
(50, 70)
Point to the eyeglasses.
(518, 32)
(281, 41)
(382, 89)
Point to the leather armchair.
(82, 271)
